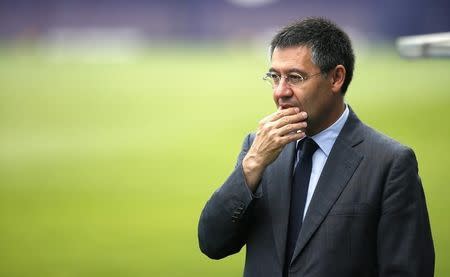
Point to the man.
(315, 191)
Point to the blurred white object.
(94, 44)
(251, 3)
(429, 45)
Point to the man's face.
(314, 95)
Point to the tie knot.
(307, 146)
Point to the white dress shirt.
(325, 140)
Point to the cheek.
(302, 98)
(275, 98)
(309, 100)
(321, 102)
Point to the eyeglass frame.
(269, 78)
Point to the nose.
(283, 89)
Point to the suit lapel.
(340, 166)
(279, 175)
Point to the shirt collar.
(326, 138)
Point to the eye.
(295, 78)
(274, 76)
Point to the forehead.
(292, 58)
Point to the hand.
(274, 132)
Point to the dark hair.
(330, 46)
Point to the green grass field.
(105, 167)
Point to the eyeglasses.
(293, 79)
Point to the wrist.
(253, 169)
(251, 162)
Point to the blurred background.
(118, 119)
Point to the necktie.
(299, 191)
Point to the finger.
(266, 119)
(292, 128)
(291, 119)
(269, 118)
(291, 137)
(282, 113)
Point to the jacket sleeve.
(223, 224)
(405, 245)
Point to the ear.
(337, 78)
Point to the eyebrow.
(291, 70)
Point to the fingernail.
(297, 110)
(304, 114)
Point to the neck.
(319, 124)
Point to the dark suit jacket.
(367, 217)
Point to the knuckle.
(277, 140)
(283, 121)
(267, 126)
(272, 133)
